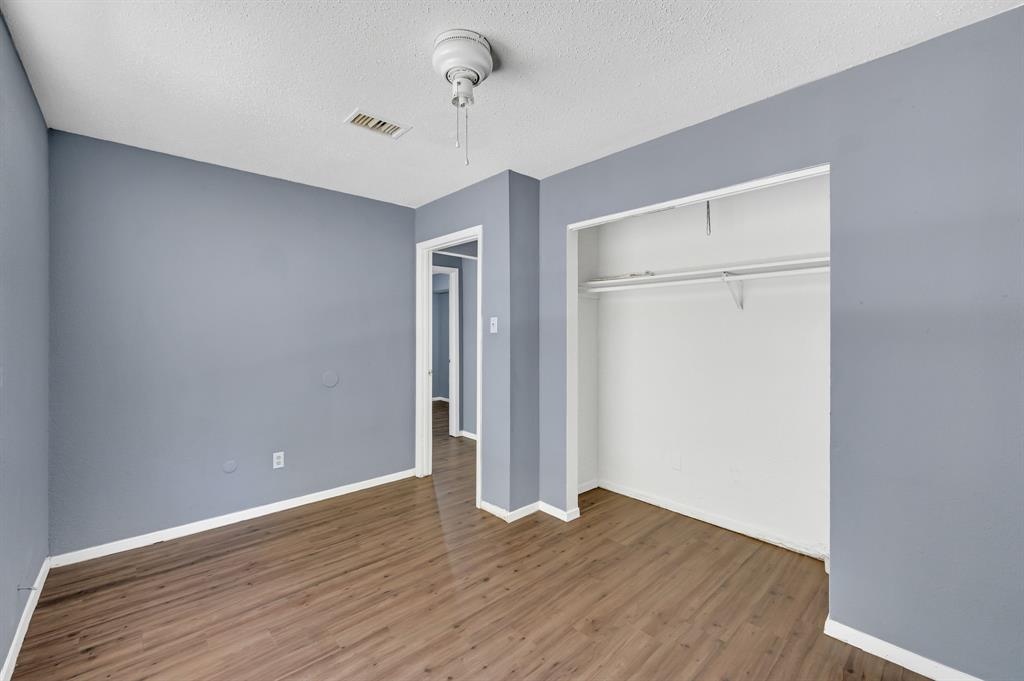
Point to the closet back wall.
(195, 311)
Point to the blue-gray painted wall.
(195, 310)
(467, 327)
(439, 333)
(524, 245)
(467, 330)
(24, 330)
(927, 304)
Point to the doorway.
(449, 379)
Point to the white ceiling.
(266, 86)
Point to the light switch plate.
(494, 325)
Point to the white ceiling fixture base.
(464, 58)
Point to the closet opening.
(698, 358)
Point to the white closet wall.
(690, 403)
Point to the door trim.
(424, 270)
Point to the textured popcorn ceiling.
(266, 86)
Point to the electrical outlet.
(278, 459)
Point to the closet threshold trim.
(735, 272)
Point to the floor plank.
(411, 581)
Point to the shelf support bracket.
(735, 288)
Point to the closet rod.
(715, 277)
(796, 262)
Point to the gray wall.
(195, 310)
(524, 244)
(927, 154)
(468, 248)
(467, 327)
(467, 330)
(24, 328)
(439, 332)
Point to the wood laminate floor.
(411, 581)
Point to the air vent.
(377, 125)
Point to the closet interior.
(703, 360)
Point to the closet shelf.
(736, 272)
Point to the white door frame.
(572, 309)
(424, 288)
(454, 357)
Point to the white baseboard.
(522, 512)
(220, 521)
(887, 651)
(439, 399)
(26, 616)
(493, 509)
(466, 433)
(567, 516)
(813, 551)
(505, 514)
(587, 486)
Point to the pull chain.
(464, 129)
